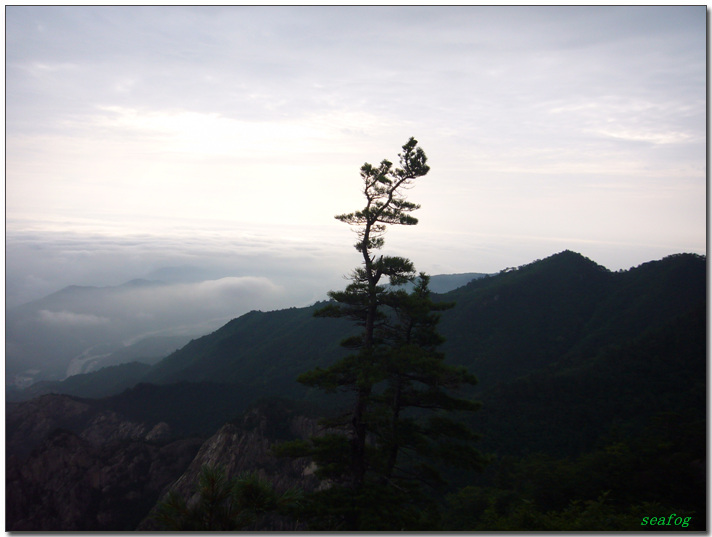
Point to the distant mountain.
(553, 311)
(81, 329)
(559, 309)
(65, 332)
(556, 312)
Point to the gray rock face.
(160, 432)
(73, 466)
(245, 446)
(29, 423)
(240, 448)
(70, 484)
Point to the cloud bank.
(67, 318)
(579, 121)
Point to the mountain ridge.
(592, 383)
(79, 322)
(525, 314)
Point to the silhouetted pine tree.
(378, 455)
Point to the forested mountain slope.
(593, 386)
(261, 350)
(547, 313)
(563, 308)
(552, 311)
(564, 408)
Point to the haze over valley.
(80, 329)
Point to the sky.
(223, 140)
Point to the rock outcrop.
(29, 423)
(69, 483)
(73, 465)
(246, 446)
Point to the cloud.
(234, 287)
(193, 302)
(196, 134)
(265, 114)
(248, 262)
(67, 319)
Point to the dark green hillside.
(551, 313)
(502, 325)
(443, 283)
(611, 430)
(644, 298)
(564, 308)
(597, 445)
(187, 407)
(522, 319)
(564, 410)
(264, 350)
(561, 345)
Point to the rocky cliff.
(246, 446)
(75, 466)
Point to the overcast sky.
(226, 138)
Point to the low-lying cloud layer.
(73, 296)
(67, 318)
(215, 266)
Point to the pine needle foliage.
(224, 504)
(378, 456)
